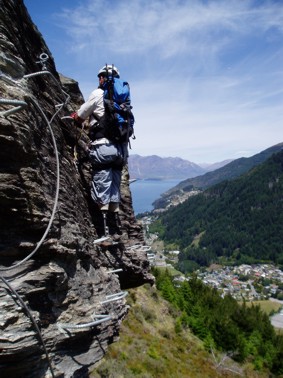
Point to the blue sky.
(206, 76)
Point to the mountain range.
(156, 167)
(228, 171)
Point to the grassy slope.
(149, 346)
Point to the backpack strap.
(110, 83)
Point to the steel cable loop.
(56, 195)
(57, 161)
(32, 320)
(21, 105)
(6, 113)
(54, 79)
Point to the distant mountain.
(228, 172)
(214, 166)
(236, 221)
(155, 167)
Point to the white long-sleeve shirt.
(93, 107)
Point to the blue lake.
(145, 192)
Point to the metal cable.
(6, 113)
(32, 320)
(53, 78)
(57, 187)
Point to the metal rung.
(145, 248)
(39, 73)
(115, 297)
(67, 117)
(97, 241)
(101, 319)
(133, 247)
(115, 271)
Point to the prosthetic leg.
(106, 228)
(104, 211)
(106, 240)
(115, 222)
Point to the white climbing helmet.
(110, 69)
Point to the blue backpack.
(118, 120)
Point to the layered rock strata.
(62, 294)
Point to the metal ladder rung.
(114, 297)
(101, 319)
(115, 271)
(103, 238)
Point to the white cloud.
(206, 76)
(140, 25)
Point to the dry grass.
(266, 306)
(149, 347)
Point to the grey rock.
(51, 272)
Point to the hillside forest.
(243, 332)
(238, 221)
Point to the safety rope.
(32, 320)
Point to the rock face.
(62, 295)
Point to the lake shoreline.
(146, 191)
